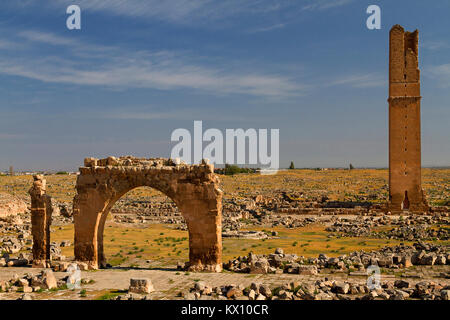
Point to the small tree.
(231, 169)
(292, 165)
(351, 166)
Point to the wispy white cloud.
(94, 65)
(10, 45)
(151, 113)
(5, 44)
(142, 115)
(361, 80)
(325, 4)
(434, 45)
(190, 11)
(47, 38)
(440, 73)
(269, 28)
(172, 10)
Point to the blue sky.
(137, 70)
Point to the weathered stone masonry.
(41, 219)
(194, 189)
(405, 190)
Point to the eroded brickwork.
(194, 189)
(405, 190)
(41, 219)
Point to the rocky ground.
(418, 271)
(423, 282)
(397, 257)
(323, 289)
(414, 260)
(11, 205)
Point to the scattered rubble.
(324, 289)
(412, 227)
(45, 280)
(11, 205)
(396, 257)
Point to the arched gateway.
(194, 189)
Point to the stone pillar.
(88, 207)
(41, 219)
(405, 189)
(201, 207)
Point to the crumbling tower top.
(404, 73)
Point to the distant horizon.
(54, 171)
(136, 72)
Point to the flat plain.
(145, 233)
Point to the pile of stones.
(320, 290)
(414, 232)
(231, 223)
(13, 245)
(357, 227)
(290, 221)
(155, 208)
(11, 205)
(131, 296)
(32, 283)
(21, 228)
(277, 262)
(21, 242)
(404, 228)
(21, 261)
(396, 257)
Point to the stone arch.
(193, 188)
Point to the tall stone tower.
(405, 186)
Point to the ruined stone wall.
(41, 219)
(405, 190)
(193, 188)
